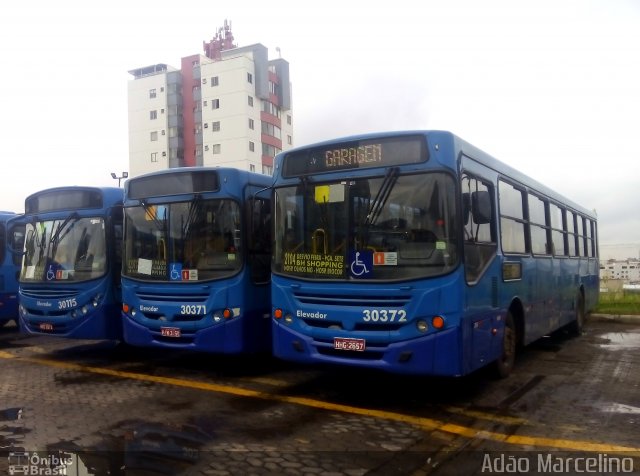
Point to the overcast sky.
(551, 87)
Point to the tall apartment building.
(230, 107)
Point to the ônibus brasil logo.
(33, 463)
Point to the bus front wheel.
(504, 365)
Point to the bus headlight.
(280, 314)
(85, 310)
(422, 325)
(224, 314)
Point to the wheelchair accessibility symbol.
(176, 272)
(361, 263)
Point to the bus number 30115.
(67, 303)
(384, 315)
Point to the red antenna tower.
(223, 40)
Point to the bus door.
(482, 273)
(11, 252)
(258, 206)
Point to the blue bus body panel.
(324, 311)
(320, 315)
(159, 306)
(54, 317)
(548, 290)
(185, 310)
(9, 271)
(422, 355)
(8, 305)
(84, 309)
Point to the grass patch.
(623, 302)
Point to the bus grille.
(351, 300)
(163, 297)
(49, 293)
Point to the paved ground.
(117, 410)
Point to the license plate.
(343, 343)
(45, 326)
(170, 331)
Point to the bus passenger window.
(479, 230)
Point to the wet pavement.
(86, 407)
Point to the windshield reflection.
(187, 241)
(391, 227)
(72, 249)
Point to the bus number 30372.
(384, 315)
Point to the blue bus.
(415, 252)
(197, 253)
(70, 277)
(11, 243)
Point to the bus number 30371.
(384, 315)
(193, 310)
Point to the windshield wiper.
(192, 214)
(56, 238)
(378, 203)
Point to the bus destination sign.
(158, 185)
(381, 152)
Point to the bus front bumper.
(433, 354)
(227, 338)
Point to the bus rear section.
(70, 277)
(11, 245)
(389, 255)
(196, 260)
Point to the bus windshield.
(185, 241)
(389, 227)
(70, 249)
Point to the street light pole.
(119, 177)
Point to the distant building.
(229, 107)
(626, 270)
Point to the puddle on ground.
(153, 448)
(620, 340)
(620, 408)
(12, 430)
(10, 414)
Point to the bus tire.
(504, 365)
(576, 327)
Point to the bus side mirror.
(481, 207)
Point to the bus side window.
(17, 239)
(479, 226)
